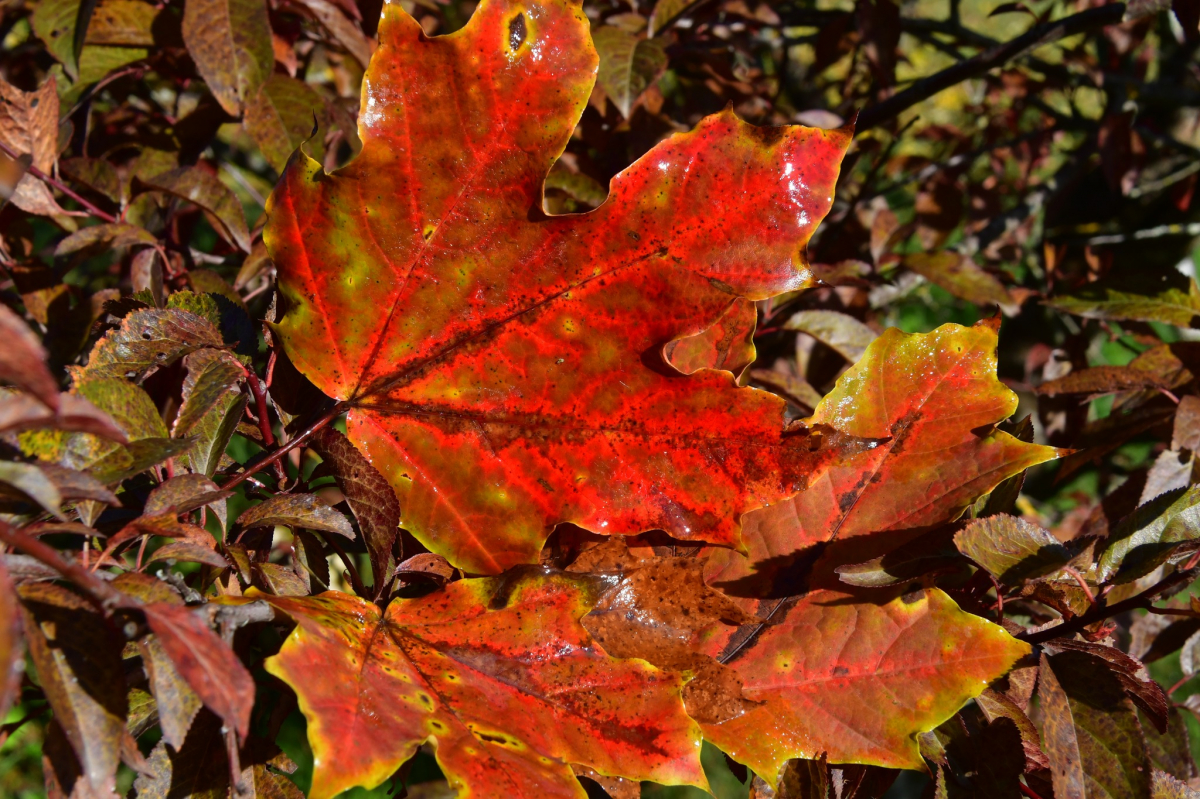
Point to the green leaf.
(230, 41)
(840, 332)
(1091, 732)
(628, 65)
(146, 339)
(281, 115)
(205, 190)
(1172, 307)
(212, 376)
(78, 662)
(1150, 535)
(297, 510)
(1011, 549)
(961, 276)
(61, 25)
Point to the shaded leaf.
(840, 332)
(932, 401)
(1011, 549)
(1173, 307)
(78, 661)
(148, 338)
(103, 237)
(924, 555)
(203, 188)
(278, 579)
(126, 23)
(23, 360)
(1170, 751)
(281, 115)
(190, 552)
(206, 662)
(296, 510)
(659, 611)
(230, 41)
(74, 485)
(1186, 434)
(175, 702)
(76, 414)
(628, 65)
(1133, 677)
(523, 384)
(857, 680)
(12, 647)
(996, 705)
(186, 493)
(426, 566)
(1149, 536)
(369, 495)
(345, 31)
(665, 12)
(29, 126)
(211, 407)
(30, 481)
(457, 667)
(1090, 730)
(961, 276)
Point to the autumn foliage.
(356, 437)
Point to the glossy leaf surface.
(498, 673)
(857, 680)
(505, 367)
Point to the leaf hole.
(516, 31)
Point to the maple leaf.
(505, 369)
(497, 672)
(934, 400)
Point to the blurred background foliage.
(1035, 159)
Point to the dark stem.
(989, 59)
(279, 454)
(58, 184)
(260, 404)
(1101, 611)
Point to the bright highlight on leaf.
(505, 369)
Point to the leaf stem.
(989, 59)
(279, 454)
(104, 595)
(58, 184)
(1101, 610)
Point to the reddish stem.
(51, 181)
(282, 452)
(104, 595)
(260, 405)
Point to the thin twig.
(282, 452)
(990, 59)
(58, 184)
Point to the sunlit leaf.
(505, 369)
